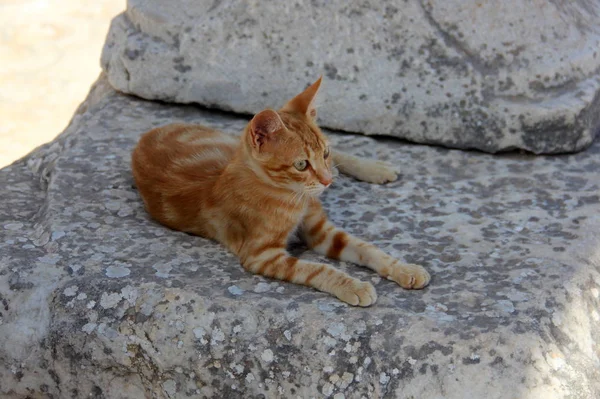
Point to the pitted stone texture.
(98, 300)
(467, 74)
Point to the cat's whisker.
(296, 197)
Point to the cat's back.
(177, 161)
(183, 153)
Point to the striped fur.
(250, 195)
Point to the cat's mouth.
(316, 190)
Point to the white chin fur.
(315, 192)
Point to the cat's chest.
(295, 243)
(295, 234)
(284, 223)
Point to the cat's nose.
(325, 178)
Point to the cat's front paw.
(378, 172)
(409, 276)
(357, 293)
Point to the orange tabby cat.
(251, 194)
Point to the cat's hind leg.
(369, 170)
(322, 236)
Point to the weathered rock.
(468, 74)
(98, 300)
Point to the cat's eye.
(301, 165)
(326, 154)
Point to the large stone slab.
(97, 300)
(493, 76)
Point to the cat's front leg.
(277, 263)
(322, 236)
(369, 170)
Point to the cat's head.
(287, 147)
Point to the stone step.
(96, 299)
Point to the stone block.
(98, 300)
(491, 76)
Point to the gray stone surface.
(97, 300)
(493, 75)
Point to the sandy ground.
(49, 57)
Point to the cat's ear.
(304, 103)
(264, 126)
